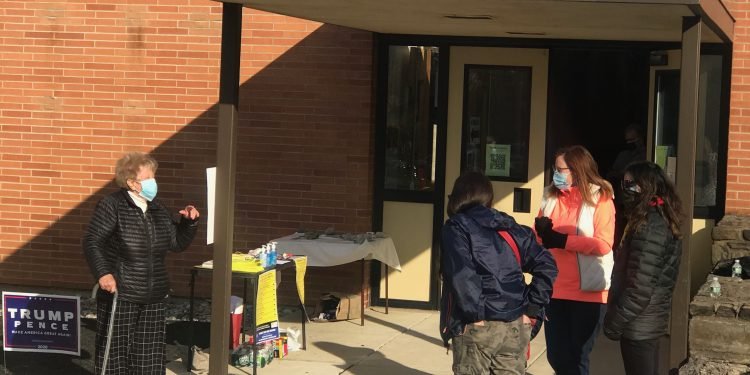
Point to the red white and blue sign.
(41, 323)
(267, 332)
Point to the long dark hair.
(470, 189)
(656, 191)
(585, 172)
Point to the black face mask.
(631, 145)
(630, 198)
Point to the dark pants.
(570, 333)
(640, 357)
(137, 346)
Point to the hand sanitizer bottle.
(264, 257)
(274, 255)
(737, 270)
(714, 289)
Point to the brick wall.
(82, 83)
(738, 162)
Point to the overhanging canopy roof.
(643, 20)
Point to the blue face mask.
(148, 189)
(560, 180)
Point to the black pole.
(191, 330)
(253, 322)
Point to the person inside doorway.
(577, 223)
(486, 308)
(634, 150)
(645, 269)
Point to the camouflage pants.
(493, 348)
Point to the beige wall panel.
(700, 253)
(410, 226)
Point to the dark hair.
(654, 185)
(470, 189)
(635, 128)
(585, 172)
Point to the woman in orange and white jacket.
(577, 223)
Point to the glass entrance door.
(408, 144)
(492, 118)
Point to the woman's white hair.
(128, 166)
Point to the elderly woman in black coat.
(125, 246)
(646, 267)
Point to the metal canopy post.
(685, 181)
(231, 39)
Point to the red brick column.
(738, 163)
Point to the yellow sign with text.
(267, 309)
(301, 265)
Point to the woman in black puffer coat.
(125, 246)
(646, 267)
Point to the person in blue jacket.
(487, 309)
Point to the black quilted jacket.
(131, 245)
(643, 280)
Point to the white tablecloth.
(331, 251)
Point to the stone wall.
(697, 366)
(719, 331)
(731, 238)
(720, 327)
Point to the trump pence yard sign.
(41, 323)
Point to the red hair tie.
(657, 201)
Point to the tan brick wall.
(738, 162)
(82, 83)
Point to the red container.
(235, 328)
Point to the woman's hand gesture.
(190, 212)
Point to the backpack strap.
(509, 239)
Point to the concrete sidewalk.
(402, 342)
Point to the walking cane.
(109, 328)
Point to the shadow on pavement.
(405, 330)
(366, 354)
(178, 333)
(33, 363)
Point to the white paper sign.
(671, 168)
(211, 184)
(497, 161)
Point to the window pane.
(410, 126)
(497, 110)
(707, 142)
(666, 116)
(709, 117)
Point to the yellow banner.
(267, 309)
(301, 265)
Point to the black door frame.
(436, 196)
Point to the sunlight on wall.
(700, 253)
